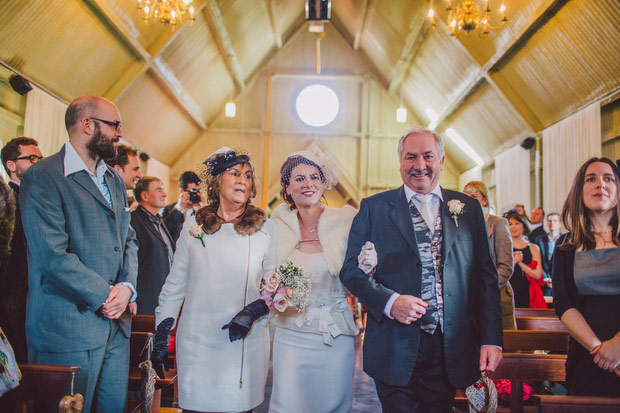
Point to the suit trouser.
(104, 375)
(428, 390)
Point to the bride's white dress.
(313, 351)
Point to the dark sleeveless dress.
(520, 283)
(598, 283)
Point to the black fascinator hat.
(222, 159)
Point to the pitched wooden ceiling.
(550, 59)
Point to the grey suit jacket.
(472, 315)
(78, 247)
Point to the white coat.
(213, 283)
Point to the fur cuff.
(248, 223)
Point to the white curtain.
(159, 170)
(45, 121)
(512, 179)
(473, 174)
(566, 146)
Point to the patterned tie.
(425, 210)
(164, 236)
(105, 191)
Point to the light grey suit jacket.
(78, 247)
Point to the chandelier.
(168, 12)
(468, 16)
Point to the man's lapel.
(449, 227)
(85, 181)
(151, 227)
(401, 216)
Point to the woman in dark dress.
(526, 262)
(586, 280)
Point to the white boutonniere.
(197, 232)
(456, 208)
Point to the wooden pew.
(578, 404)
(530, 340)
(535, 312)
(541, 367)
(143, 323)
(41, 383)
(540, 323)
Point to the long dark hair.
(575, 216)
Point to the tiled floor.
(364, 394)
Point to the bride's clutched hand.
(367, 259)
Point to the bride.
(313, 351)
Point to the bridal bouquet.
(288, 286)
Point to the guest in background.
(190, 201)
(18, 155)
(501, 248)
(547, 243)
(133, 204)
(9, 376)
(156, 246)
(537, 216)
(520, 208)
(7, 225)
(526, 278)
(222, 255)
(127, 164)
(313, 351)
(586, 281)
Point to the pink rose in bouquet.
(279, 302)
(272, 282)
(289, 293)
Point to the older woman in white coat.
(313, 350)
(221, 257)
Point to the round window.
(317, 105)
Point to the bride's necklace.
(309, 231)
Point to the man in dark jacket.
(156, 246)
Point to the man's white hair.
(418, 130)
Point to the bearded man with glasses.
(82, 257)
(18, 155)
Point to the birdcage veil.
(322, 161)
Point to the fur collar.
(248, 223)
(333, 232)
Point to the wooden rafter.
(215, 22)
(361, 25)
(417, 34)
(275, 23)
(533, 23)
(144, 62)
(339, 26)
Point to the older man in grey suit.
(82, 257)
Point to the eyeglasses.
(31, 158)
(116, 124)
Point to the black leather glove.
(160, 345)
(240, 325)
